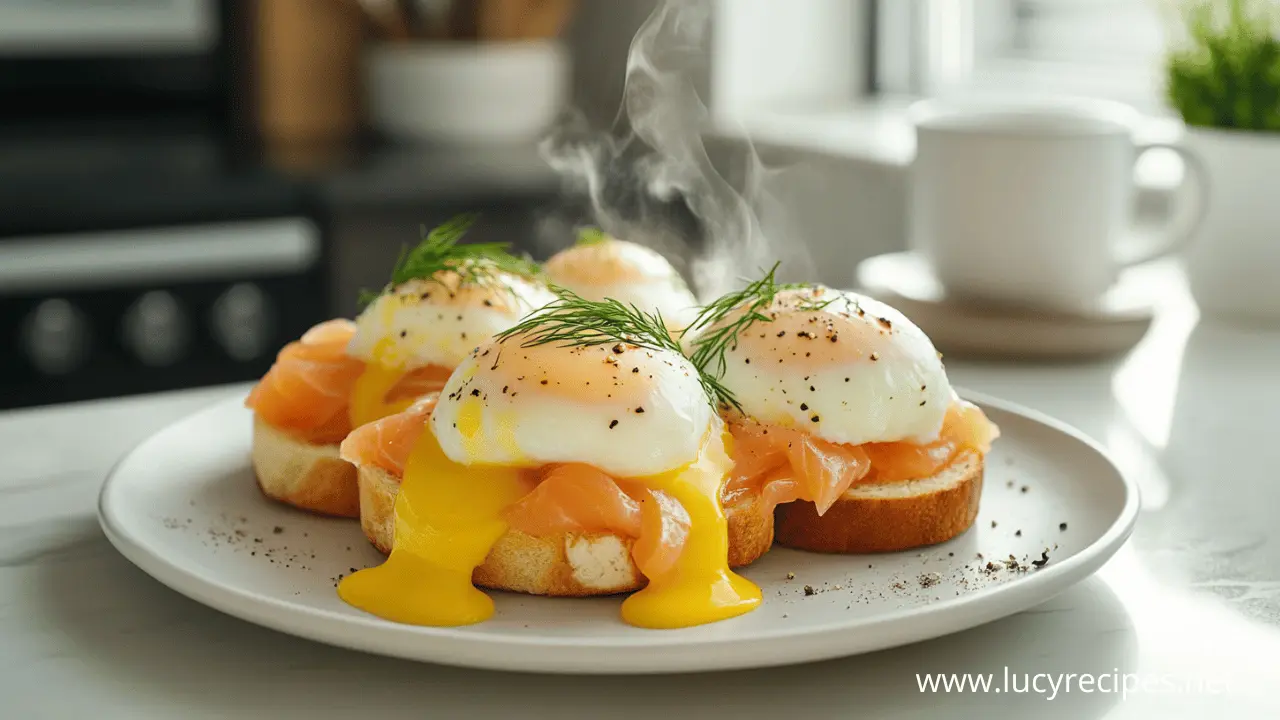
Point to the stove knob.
(56, 337)
(242, 321)
(156, 329)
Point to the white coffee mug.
(1032, 204)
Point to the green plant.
(1227, 74)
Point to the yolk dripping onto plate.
(699, 588)
(448, 516)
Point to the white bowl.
(466, 92)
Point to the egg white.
(437, 322)
(627, 272)
(854, 371)
(632, 413)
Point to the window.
(768, 54)
(836, 52)
(1108, 48)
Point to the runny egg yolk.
(448, 516)
(369, 395)
(699, 588)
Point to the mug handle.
(1184, 220)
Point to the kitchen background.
(185, 185)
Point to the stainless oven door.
(31, 28)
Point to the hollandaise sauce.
(699, 587)
(447, 518)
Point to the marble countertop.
(1190, 607)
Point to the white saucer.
(904, 280)
(183, 506)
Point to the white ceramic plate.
(184, 507)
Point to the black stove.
(149, 241)
(87, 178)
(135, 262)
(144, 244)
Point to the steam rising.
(651, 180)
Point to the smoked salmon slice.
(574, 497)
(386, 443)
(308, 390)
(568, 497)
(664, 527)
(420, 382)
(964, 428)
(785, 465)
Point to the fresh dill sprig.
(811, 305)
(439, 251)
(591, 236)
(475, 263)
(707, 351)
(709, 348)
(572, 321)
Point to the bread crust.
(306, 476)
(562, 565)
(888, 518)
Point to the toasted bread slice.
(306, 476)
(887, 518)
(563, 565)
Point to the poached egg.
(431, 324)
(842, 366)
(638, 414)
(627, 410)
(627, 272)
